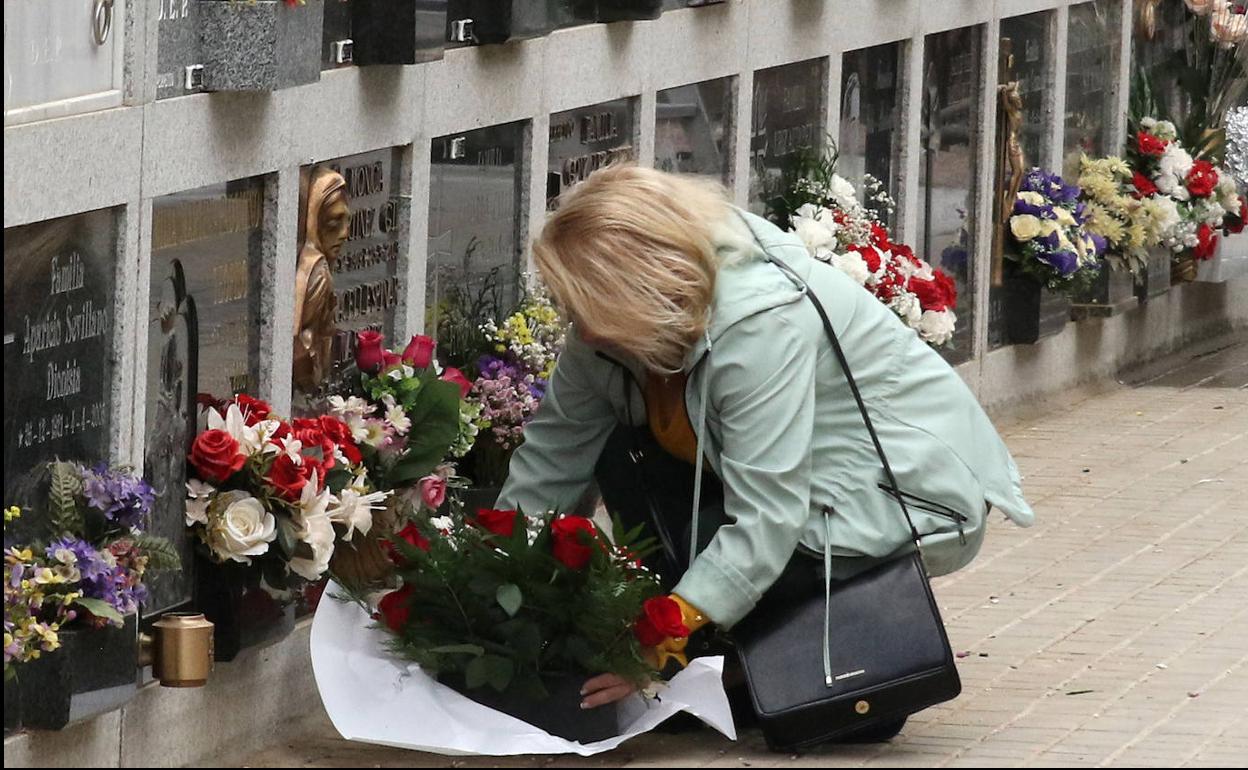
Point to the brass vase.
(1183, 270)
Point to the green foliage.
(65, 485)
(502, 611)
(99, 608)
(806, 172)
(161, 554)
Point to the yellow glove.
(674, 649)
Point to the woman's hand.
(604, 689)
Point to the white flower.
(314, 528)
(198, 497)
(815, 233)
(907, 306)
(355, 506)
(244, 529)
(442, 523)
(852, 265)
(358, 426)
(395, 415)
(402, 372)
(292, 448)
(1175, 162)
(842, 191)
(375, 434)
(249, 437)
(352, 406)
(1162, 129)
(1148, 123)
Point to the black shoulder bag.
(871, 650)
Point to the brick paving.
(1114, 632)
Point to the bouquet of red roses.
(516, 604)
(280, 493)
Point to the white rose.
(1176, 161)
(852, 265)
(243, 529)
(937, 327)
(840, 189)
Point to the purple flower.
(122, 498)
(91, 563)
(1037, 181)
(1099, 242)
(1065, 262)
(1066, 193)
(1023, 207)
(1051, 241)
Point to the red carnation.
(869, 254)
(215, 456)
(369, 355)
(1149, 144)
(410, 535)
(570, 546)
(498, 522)
(419, 352)
(289, 478)
(338, 432)
(1202, 179)
(938, 294)
(1235, 222)
(1144, 187)
(396, 607)
(1208, 243)
(879, 236)
(254, 410)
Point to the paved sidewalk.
(1114, 632)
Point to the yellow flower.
(1064, 217)
(1034, 198)
(1024, 226)
(11, 513)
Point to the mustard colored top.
(668, 416)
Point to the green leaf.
(286, 539)
(509, 598)
(458, 649)
(161, 554)
(99, 608)
(476, 674)
(435, 426)
(64, 488)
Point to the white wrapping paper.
(376, 697)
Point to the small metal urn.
(180, 652)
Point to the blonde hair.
(629, 258)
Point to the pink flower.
(433, 491)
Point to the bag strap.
(849, 376)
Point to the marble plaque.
(178, 51)
(335, 32)
(59, 279)
(586, 139)
(787, 115)
(693, 129)
(58, 60)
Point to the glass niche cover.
(475, 259)
(693, 129)
(947, 167)
(1091, 80)
(202, 322)
(586, 139)
(787, 116)
(352, 227)
(870, 132)
(59, 294)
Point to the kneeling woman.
(696, 376)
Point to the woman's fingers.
(604, 689)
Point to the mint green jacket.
(783, 433)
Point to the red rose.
(1208, 242)
(254, 410)
(664, 614)
(419, 352)
(369, 355)
(1144, 187)
(206, 401)
(215, 456)
(409, 534)
(1149, 144)
(451, 374)
(396, 607)
(391, 360)
(338, 432)
(646, 633)
(499, 522)
(289, 479)
(1202, 179)
(571, 536)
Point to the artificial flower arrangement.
(823, 209)
(90, 571)
(274, 493)
(1194, 200)
(510, 384)
(529, 607)
(1130, 225)
(1047, 225)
